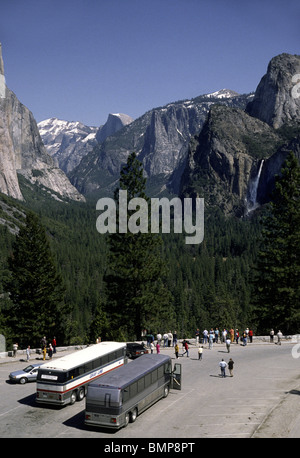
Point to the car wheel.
(80, 394)
(126, 418)
(73, 398)
(166, 391)
(133, 415)
(23, 380)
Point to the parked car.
(28, 374)
(134, 350)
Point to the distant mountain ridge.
(160, 138)
(69, 141)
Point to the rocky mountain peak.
(114, 123)
(274, 101)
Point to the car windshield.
(28, 368)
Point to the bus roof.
(80, 357)
(131, 371)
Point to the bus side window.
(160, 371)
(104, 359)
(147, 380)
(133, 389)
(88, 366)
(141, 384)
(154, 376)
(125, 394)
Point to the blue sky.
(80, 60)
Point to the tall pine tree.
(136, 295)
(35, 288)
(277, 287)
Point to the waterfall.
(251, 202)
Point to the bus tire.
(80, 394)
(126, 419)
(133, 415)
(166, 391)
(73, 398)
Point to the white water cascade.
(251, 202)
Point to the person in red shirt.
(250, 335)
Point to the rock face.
(274, 101)
(22, 152)
(160, 138)
(114, 123)
(232, 163)
(225, 156)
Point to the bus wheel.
(126, 418)
(80, 394)
(166, 391)
(133, 415)
(73, 398)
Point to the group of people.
(223, 365)
(51, 349)
(168, 339)
(226, 336)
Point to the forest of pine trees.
(213, 284)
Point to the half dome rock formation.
(23, 152)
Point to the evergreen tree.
(278, 280)
(35, 289)
(136, 295)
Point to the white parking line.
(5, 413)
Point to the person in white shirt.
(223, 366)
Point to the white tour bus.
(119, 397)
(64, 380)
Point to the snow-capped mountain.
(67, 141)
(222, 94)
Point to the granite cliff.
(232, 163)
(22, 151)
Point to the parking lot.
(265, 388)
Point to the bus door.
(176, 377)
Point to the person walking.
(228, 342)
(230, 367)
(210, 340)
(271, 335)
(28, 352)
(216, 335)
(279, 337)
(44, 352)
(174, 338)
(176, 350)
(223, 366)
(54, 343)
(50, 351)
(237, 335)
(15, 349)
(170, 337)
(200, 352)
(157, 348)
(186, 349)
